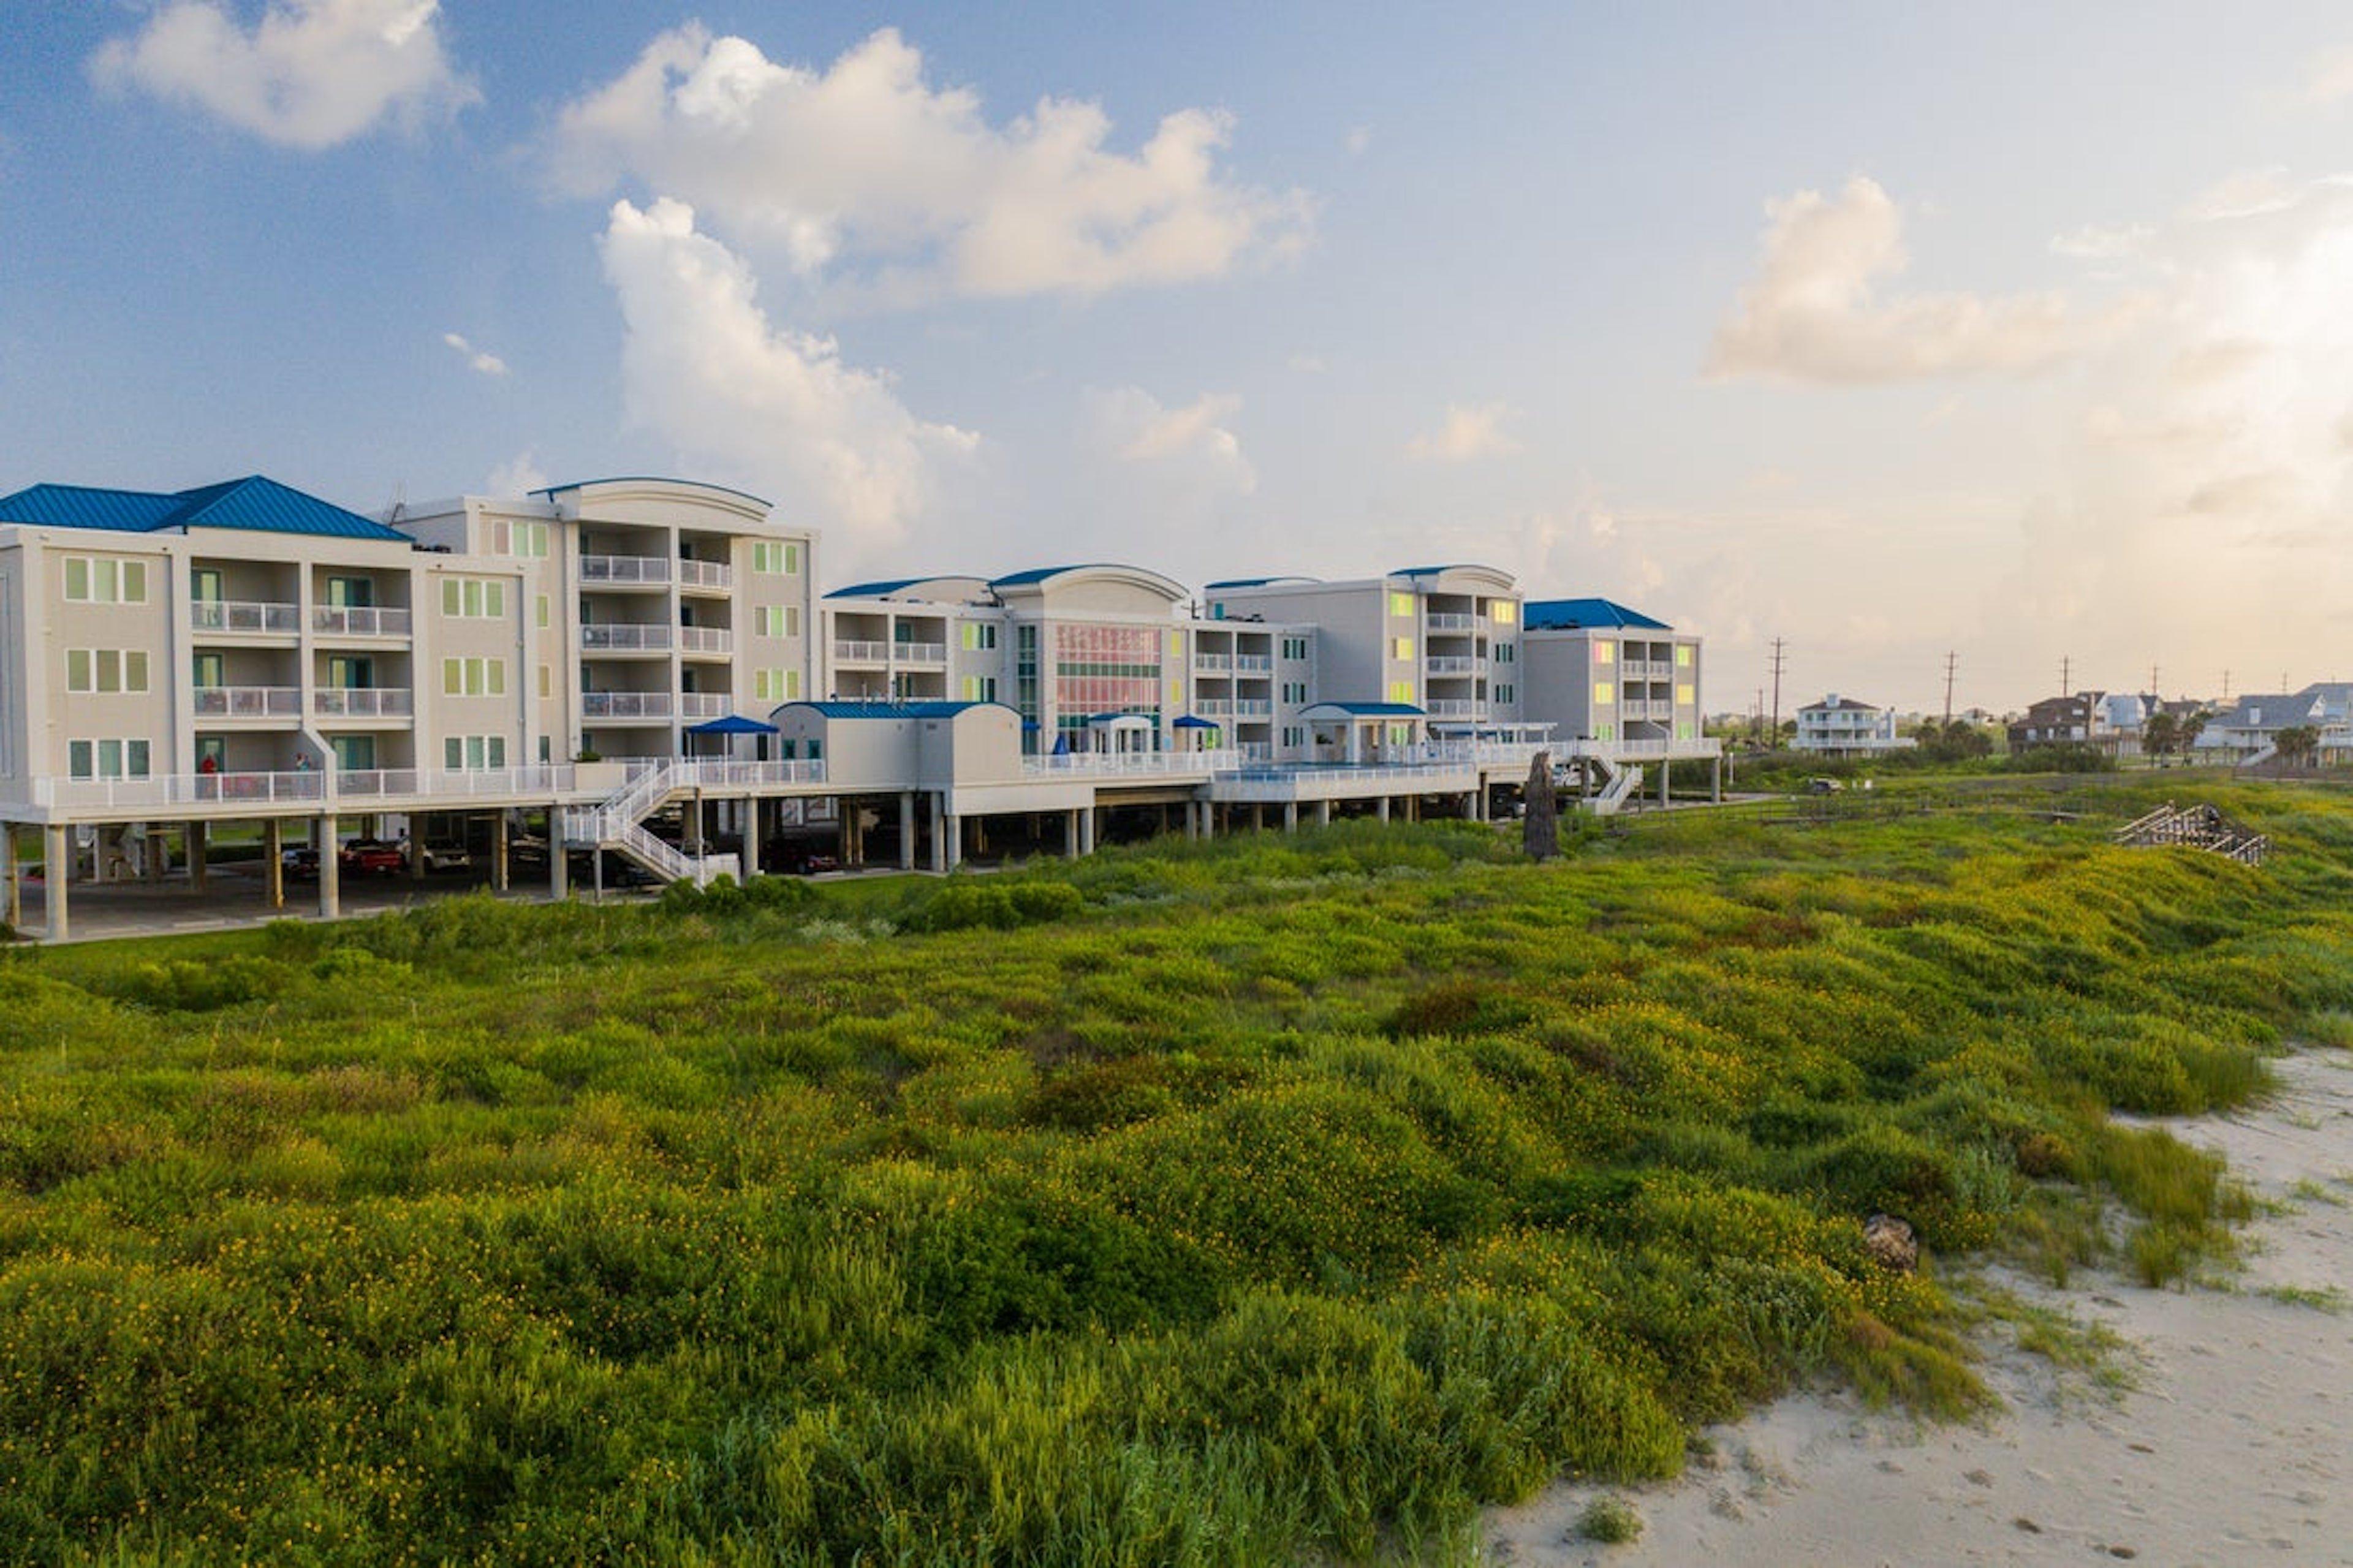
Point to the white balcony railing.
(1213, 661)
(1450, 621)
(624, 571)
(1453, 665)
(1253, 707)
(693, 573)
(920, 652)
(359, 621)
(1183, 764)
(703, 704)
(1214, 707)
(1452, 708)
(362, 703)
(245, 617)
(247, 701)
(627, 705)
(705, 639)
(862, 652)
(628, 637)
(1260, 662)
(300, 787)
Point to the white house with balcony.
(1846, 727)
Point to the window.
(546, 682)
(776, 557)
(1604, 694)
(1400, 647)
(1506, 612)
(779, 620)
(475, 598)
(1683, 656)
(210, 670)
(474, 678)
(769, 684)
(1401, 605)
(1504, 693)
(1683, 693)
(539, 612)
(107, 759)
(102, 580)
(980, 689)
(1605, 653)
(1294, 693)
(106, 670)
(1400, 690)
(1506, 653)
(1294, 649)
(351, 592)
(979, 635)
(527, 540)
(472, 753)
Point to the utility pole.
(2226, 686)
(2066, 672)
(1777, 661)
(1952, 662)
(2152, 678)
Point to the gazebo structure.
(1122, 732)
(1196, 733)
(728, 737)
(1366, 732)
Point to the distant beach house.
(1842, 727)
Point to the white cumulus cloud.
(481, 360)
(1817, 313)
(518, 475)
(772, 409)
(1468, 431)
(310, 74)
(867, 165)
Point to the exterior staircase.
(1624, 784)
(618, 822)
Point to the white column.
(56, 872)
(273, 863)
(329, 869)
(906, 830)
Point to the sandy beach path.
(2234, 1447)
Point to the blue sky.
(1884, 330)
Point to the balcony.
(362, 703)
(1214, 708)
(861, 652)
(247, 701)
(1455, 665)
(1253, 707)
(693, 573)
(706, 640)
(359, 621)
(1452, 708)
(703, 704)
(920, 652)
(628, 637)
(625, 572)
(1261, 662)
(627, 705)
(245, 617)
(1450, 622)
(1213, 661)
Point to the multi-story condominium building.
(1093, 657)
(594, 655)
(1597, 671)
(1442, 639)
(1844, 727)
(648, 606)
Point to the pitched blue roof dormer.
(253, 502)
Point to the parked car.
(445, 858)
(362, 856)
(300, 864)
(1823, 786)
(800, 862)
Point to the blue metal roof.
(1430, 571)
(1255, 581)
(261, 504)
(1371, 710)
(875, 590)
(734, 724)
(551, 491)
(886, 710)
(1575, 614)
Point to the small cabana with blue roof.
(1361, 732)
(733, 736)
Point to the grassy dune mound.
(1219, 1203)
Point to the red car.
(362, 856)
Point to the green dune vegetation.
(1272, 1199)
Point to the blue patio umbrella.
(734, 724)
(1061, 744)
(1189, 722)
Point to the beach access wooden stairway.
(2199, 827)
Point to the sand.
(2234, 1445)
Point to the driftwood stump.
(1891, 1243)
(1540, 827)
